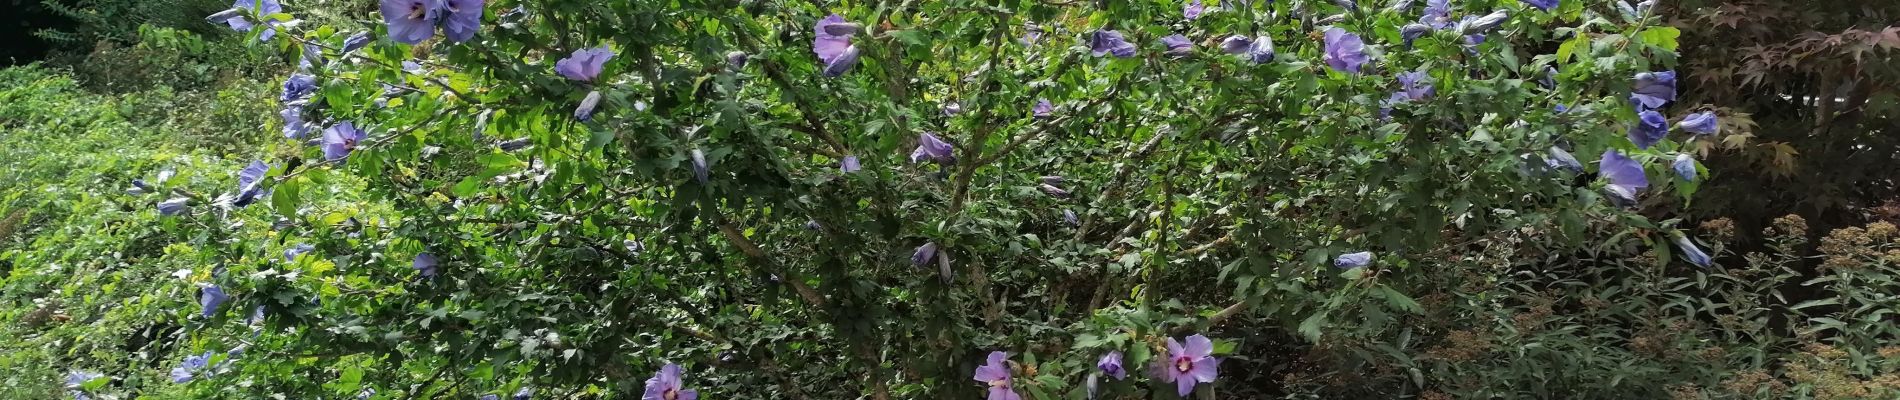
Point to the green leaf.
(285, 197)
(467, 187)
(1569, 48)
(1399, 300)
(1661, 36)
(1309, 328)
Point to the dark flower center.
(416, 10)
(671, 394)
(1183, 364)
(1001, 383)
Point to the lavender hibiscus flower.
(668, 385)
(832, 44)
(932, 148)
(1650, 128)
(210, 297)
(341, 139)
(411, 21)
(1625, 175)
(1178, 45)
(584, 64)
(258, 7)
(1654, 89)
(1190, 364)
(1345, 52)
(1111, 365)
(1353, 260)
(1701, 123)
(461, 19)
(994, 373)
(1104, 42)
(1693, 253)
(1684, 167)
(1193, 9)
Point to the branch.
(753, 251)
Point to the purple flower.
(1193, 9)
(1416, 85)
(1261, 52)
(1043, 109)
(1345, 52)
(813, 225)
(1549, 81)
(1654, 89)
(1437, 14)
(1701, 123)
(922, 256)
(995, 374)
(1107, 41)
(701, 171)
(849, 164)
(211, 296)
(1353, 260)
(952, 108)
(77, 379)
(293, 122)
(1684, 167)
(297, 87)
(584, 64)
(250, 181)
(837, 28)
(238, 23)
(929, 147)
(1068, 217)
(1052, 179)
(832, 43)
(1031, 34)
(1236, 44)
(736, 59)
(1625, 175)
(1187, 365)
(356, 41)
(838, 66)
(1411, 32)
(1695, 254)
(1545, 5)
(1651, 128)
(411, 21)
(340, 139)
(516, 144)
(1475, 25)
(1111, 365)
(1178, 46)
(312, 55)
(666, 385)
(424, 263)
(1053, 191)
(185, 370)
(1560, 109)
(586, 110)
(225, 16)
(461, 19)
(140, 187)
(1561, 159)
(172, 207)
(290, 254)
(490, 396)
(523, 394)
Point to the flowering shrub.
(1114, 200)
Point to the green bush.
(1212, 196)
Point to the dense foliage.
(946, 199)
